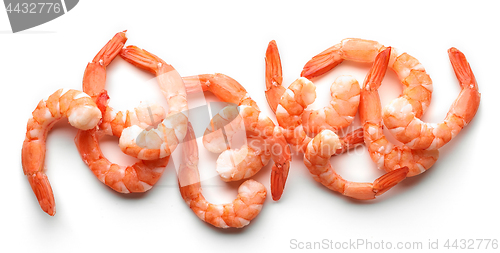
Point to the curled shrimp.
(290, 105)
(324, 145)
(158, 142)
(248, 117)
(239, 213)
(82, 113)
(387, 156)
(401, 120)
(142, 175)
(417, 90)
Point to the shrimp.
(239, 213)
(417, 85)
(406, 127)
(248, 117)
(159, 142)
(386, 155)
(317, 160)
(291, 104)
(274, 76)
(141, 176)
(81, 112)
(222, 86)
(94, 77)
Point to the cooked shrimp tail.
(462, 68)
(94, 78)
(41, 187)
(350, 141)
(376, 74)
(222, 86)
(389, 180)
(323, 62)
(274, 76)
(467, 103)
(281, 166)
(111, 49)
(144, 60)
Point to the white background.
(456, 199)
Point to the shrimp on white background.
(454, 200)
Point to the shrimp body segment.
(243, 163)
(82, 113)
(406, 127)
(317, 160)
(159, 142)
(239, 213)
(386, 155)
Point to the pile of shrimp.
(151, 134)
